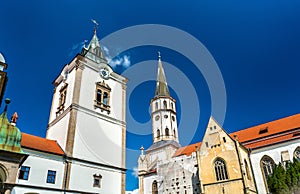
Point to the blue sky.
(255, 45)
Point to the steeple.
(161, 83)
(93, 51)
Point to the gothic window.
(154, 187)
(297, 153)
(102, 96)
(51, 176)
(165, 104)
(220, 169)
(24, 172)
(62, 99)
(158, 133)
(97, 180)
(267, 165)
(167, 132)
(247, 170)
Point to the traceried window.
(267, 165)
(102, 97)
(154, 187)
(220, 169)
(51, 176)
(24, 172)
(62, 99)
(97, 180)
(297, 153)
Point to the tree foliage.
(285, 180)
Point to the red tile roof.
(277, 131)
(267, 129)
(40, 144)
(187, 150)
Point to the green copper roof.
(10, 135)
(161, 82)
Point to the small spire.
(161, 83)
(14, 118)
(142, 150)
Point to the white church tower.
(87, 119)
(165, 135)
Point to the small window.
(165, 116)
(51, 176)
(97, 180)
(24, 172)
(173, 118)
(206, 143)
(158, 133)
(62, 99)
(172, 106)
(156, 105)
(224, 139)
(263, 130)
(167, 132)
(157, 117)
(165, 104)
(174, 132)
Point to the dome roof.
(2, 58)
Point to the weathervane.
(96, 25)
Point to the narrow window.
(156, 105)
(51, 176)
(220, 170)
(154, 187)
(224, 139)
(267, 166)
(247, 170)
(165, 104)
(105, 98)
(172, 106)
(174, 132)
(97, 180)
(24, 172)
(158, 133)
(167, 132)
(99, 96)
(206, 143)
(62, 99)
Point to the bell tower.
(163, 110)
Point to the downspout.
(249, 151)
(239, 158)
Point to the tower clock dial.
(104, 73)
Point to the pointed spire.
(161, 82)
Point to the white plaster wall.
(87, 93)
(275, 153)
(59, 131)
(98, 140)
(82, 179)
(39, 164)
(22, 190)
(148, 180)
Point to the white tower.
(87, 119)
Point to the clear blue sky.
(254, 43)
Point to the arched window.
(2, 175)
(174, 132)
(158, 133)
(267, 165)
(220, 169)
(297, 153)
(247, 170)
(172, 106)
(167, 132)
(154, 187)
(165, 104)
(156, 105)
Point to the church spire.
(161, 82)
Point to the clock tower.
(87, 119)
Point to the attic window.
(264, 130)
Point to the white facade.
(275, 152)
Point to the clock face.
(104, 73)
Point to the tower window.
(102, 96)
(51, 176)
(157, 117)
(173, 118)
(154, 187)
(156, 105)
(172, 106)
(158, 133)
(167, 132)
(62, 99)
(220, 170)
(24, 172)
(97, 180)
(165, 104)
(174, 132)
